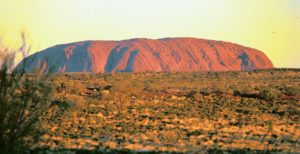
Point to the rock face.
(140, 55)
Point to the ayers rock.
(140, 55)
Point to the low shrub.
(70, 102)
(291, 91)
(268, 94)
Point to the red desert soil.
(141, 55)
(174, 112)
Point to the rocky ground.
(174, 112)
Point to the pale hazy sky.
(272, 26)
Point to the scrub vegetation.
(23, 99)
(255, 111)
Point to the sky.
(272, 26)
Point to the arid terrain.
(255, 111)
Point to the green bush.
(268, 94)
(292, 91)
(23, 99)
(71, 102)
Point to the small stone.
(105, 92)
(110, 144)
